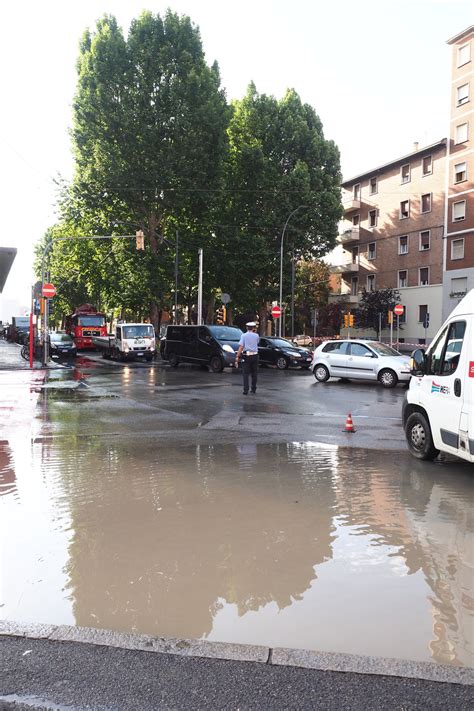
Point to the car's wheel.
(216, 364)
(173, 360)
(388, 378)
(321, 373)
(282, 363)
(419, 437)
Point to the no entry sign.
(398, 310)
(276, 312)
(48, 291)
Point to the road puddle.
(294, 545)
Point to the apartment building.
(409, 224)
(392, 236)
(458, 255)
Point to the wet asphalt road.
(189, 404)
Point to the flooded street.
(285, 544)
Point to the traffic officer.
(248, 347)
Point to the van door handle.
(457, 387)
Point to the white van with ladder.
(438, 411)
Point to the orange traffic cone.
(349, 424)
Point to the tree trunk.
(211, 304)
(154, 315)
(262, 319)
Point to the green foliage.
(374, 303)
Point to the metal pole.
(380, 326)
(300, 207)
(199, 314)
(176, 266)
(398, 331)
(391, 328)
(293, 296)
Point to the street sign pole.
(391, 328)
(45, 333)
(398, 330)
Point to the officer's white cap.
(251, 324)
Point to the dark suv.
(214, 346)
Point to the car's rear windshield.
(61, 338)
(225, 333)
(383, 350)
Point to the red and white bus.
(85, 323)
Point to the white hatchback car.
(361, 360)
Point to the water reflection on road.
(294, 545)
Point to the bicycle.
(37, 350)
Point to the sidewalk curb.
(322, 661)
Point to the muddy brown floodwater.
(294, 545)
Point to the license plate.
(64, 350)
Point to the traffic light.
(390, 317)
(351, 320)
(221, 315)
(346, 320)
(426, 320)
(140, 240)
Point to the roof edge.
(420, 151)
(460, 35)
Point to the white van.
(438, 407)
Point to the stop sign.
(398, 310)
(276, 312)
(48, 291)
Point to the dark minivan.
(214, 346)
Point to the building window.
(459, 211)
(457, 249)
(403, 244)
(405, 173)
(354, 286)
(356, 191)
(372, 218)
(355, 255)
(426, 202)
(460, 172)
(424, 276)
(422, 311)
(462, 93)
(458, 287)
(372, 250)
(424, 240)
(356, 221)
(402, 279)
(371, 282)
(461, 133)
(427, 165)
(404, 209)
(464, 54)
(373, 186)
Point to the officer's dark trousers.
(250, 369)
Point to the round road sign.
(276, 312)
(48, 291)
(398, 310)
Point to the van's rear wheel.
(216, 364)
(419, 437)
(173, 360)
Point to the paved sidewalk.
(10, 358)
(47, 667)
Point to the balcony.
(350, 235)
(351, 205)
(344, 298)
(346, 268)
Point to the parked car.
(302, 340)
(61, 345)
(361, 360)
(214, 346)
(282, 353)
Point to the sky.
(376, 71)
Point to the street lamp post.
(300, 207)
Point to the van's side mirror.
(418, 362)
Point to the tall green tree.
(149, 138)
(278, 160)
